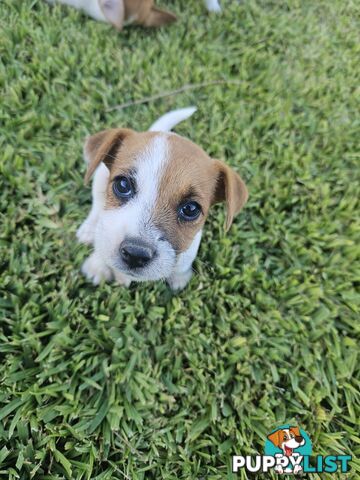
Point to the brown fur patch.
(103, 147)
(189, 175)
(145, 13)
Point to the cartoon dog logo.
(287, 440)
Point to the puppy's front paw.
(178, 281)
(95, 270)
(121, 279)
(86, 231)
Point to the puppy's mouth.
(148, 273)
(130, 272)
(288, 451)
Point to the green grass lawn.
(139, 383)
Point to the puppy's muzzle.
(135, 253)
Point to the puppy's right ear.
(102, 147)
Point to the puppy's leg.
(183, 269)
(121, 279)
(179, 280)
(95, 269)
(213, 5)
(86, 232)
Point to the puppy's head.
(159, 191)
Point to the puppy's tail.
(168, 121)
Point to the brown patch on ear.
(102, 147)
(158, 18)
(230, 188)
(114, 12)
(276, 438)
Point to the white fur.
(91, 7)
(213, 6)
(168, 121)
(96, 270)
(182, 271)
(86, 233)
(107, 228)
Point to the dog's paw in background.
(95, 270)
(213, 6)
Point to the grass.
(115, 383)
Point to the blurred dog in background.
(120, 13)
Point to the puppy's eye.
(123, 188)
(189, 211)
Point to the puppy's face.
(159, 191)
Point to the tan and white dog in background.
(124, 12)
(152, 192)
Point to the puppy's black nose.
(135, 253)
(299, 439)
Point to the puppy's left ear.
(103, 147)
(230, 188)
(113, 11)
(159, 18)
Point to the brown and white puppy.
(152, 192)
(124, 12)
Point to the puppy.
(152, 192)
(124, 12)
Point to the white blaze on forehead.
(150, 166)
